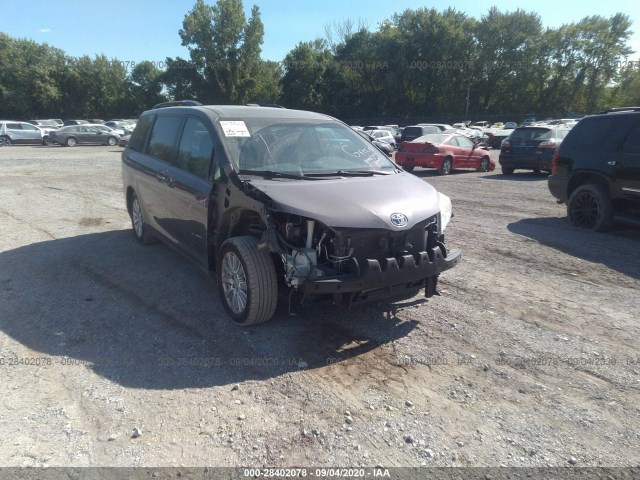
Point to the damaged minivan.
(275, 201)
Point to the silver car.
(20, 133)
(73, 135)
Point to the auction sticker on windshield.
(234, 128)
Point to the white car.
(383, 136)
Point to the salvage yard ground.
(528, 358)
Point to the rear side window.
(164, 137)
(632, 144)
(139, 135)
(14, 126)
(596, 133)
(196, 148)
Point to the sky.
(137, 30)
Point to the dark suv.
(530, 148)
(596, 170)
(415, 131)
(267, 196)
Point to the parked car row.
(42, 132)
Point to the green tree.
(303, 79)
(146, 86)
(224, 48)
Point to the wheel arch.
(582, 178)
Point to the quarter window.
(164, 137)
(196, 148)
(632, 144)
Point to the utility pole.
(466, 113)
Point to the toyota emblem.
(399, 219)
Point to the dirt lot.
(528, 358)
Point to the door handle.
(614, 163)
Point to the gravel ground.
(114, 354)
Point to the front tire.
(590, 206)
(445, 167)
(70, 142)
(484, 165)
(5, 141)
(508, 170)
(247, 281)
(112, 141)
(408, 168)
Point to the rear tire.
(247, 281)
(140, 229)
(408, 168)
(590, 206)
(445, 167)
(508, 170)
(5, 141)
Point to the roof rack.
(273, 105)
(178, 103)
(619, 109)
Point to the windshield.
(298, 147)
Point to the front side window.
(465, 142)
(164, 137)
(298, 146)
(196, 148)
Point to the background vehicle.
(500, 135)
(445, 152)
(415, 131)
(596, 170)
(530, 148)
(20, 133)
(383, 136)
(442, 126)
(384, 146)
(123, 125)
(75, 122)
(73, 135)
(334, 217)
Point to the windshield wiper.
(349, 173)
(274, 174)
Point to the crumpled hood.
(355, 202)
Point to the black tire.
(408, 168)
(247, 281)
(71, 142)
(140, 229)
(508, 170)
(445, 166)
(5, 141)
(484, 165)
(590, 206)
(45, 141)
(112, 141)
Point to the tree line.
(421, 62)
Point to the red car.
(444, 151)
